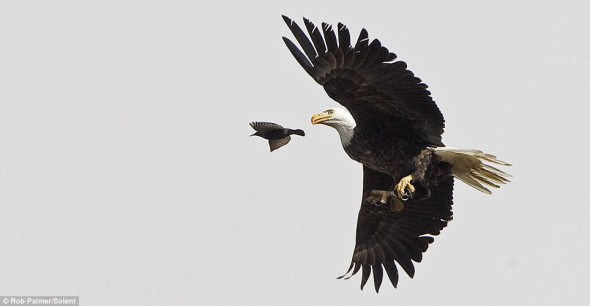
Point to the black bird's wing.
(277, 143)
(380, 93)
(385, 238)
(265, 126)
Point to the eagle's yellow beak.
(319, 118)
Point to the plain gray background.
(127, 176)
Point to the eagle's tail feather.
(469, 166)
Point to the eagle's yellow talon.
(404, 189)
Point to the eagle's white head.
(340, 119)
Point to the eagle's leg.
(380, 197)
(404, 188)
(408, 186)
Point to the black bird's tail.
(298, 132)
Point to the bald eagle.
(392, 126)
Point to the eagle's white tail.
(469, 166)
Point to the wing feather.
(330, 36)
(339, 55)
(264, 126)
(277, 143)
(343, 37)
(365, 274)
(316, 37)
(392, 273)
(374, 56)
(349, 56)
(300, 57)
(301, 38)
(377, 276)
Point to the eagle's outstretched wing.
(385, 237)
(379, 92)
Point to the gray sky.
(127, 175)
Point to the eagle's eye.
(330, 111)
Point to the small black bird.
(277, 135)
